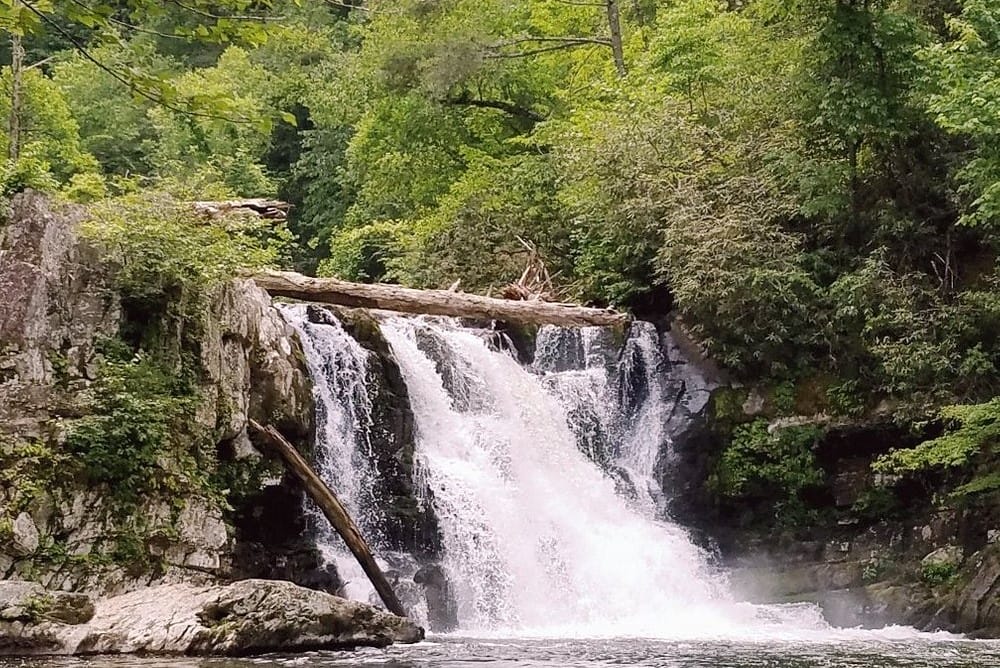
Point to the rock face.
(56, 302)
(407, 524)
(243, 618)
(59, 303)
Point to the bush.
(364, 253)
(160, 247)
(972, 430)
(140, 438)
(775, 466)
(938, 573)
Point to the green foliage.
(137, 430)
(362, 253)
(964, 95)
(972, 431)
(776, 465)
(30, 470)
(987, 483)
(872, 571)
(812, 187)
(937, 574)
(162, 250)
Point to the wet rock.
(442, 611)
(243, 618)
(407, 522)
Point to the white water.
(538, 538)
(338, 366)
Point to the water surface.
(453, 652)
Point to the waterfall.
(536, 535)
(542, 478)
(338, 367)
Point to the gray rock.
(29, 603)
(58, 300)
(243, 618)
(949, 555)
(24, 540)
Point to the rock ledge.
(244, 618)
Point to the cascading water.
(543, 480)
(338, 367)
(536, 536)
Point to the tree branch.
(117, 76)
(500, 105)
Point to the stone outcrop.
(244, 618)
(56, 302)
(59, 302)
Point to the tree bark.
(614, 23)
(320, 493)
(432, 302)
(16, 96)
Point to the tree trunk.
(614, 22)
(432, 302)
(335, 512)
(16, 94)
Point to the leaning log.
(327, 501)
(432, 302)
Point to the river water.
(906, 651)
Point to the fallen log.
(432, 302)
(327, 501)
(269, 209)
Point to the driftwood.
(270, 209)
(335, 512)
(432, 302)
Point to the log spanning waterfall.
(542, 479)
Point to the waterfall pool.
(459, 652)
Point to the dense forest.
(811, 186)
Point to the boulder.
(29, 603)
(24, 536)
(244, 618)
(949, 555)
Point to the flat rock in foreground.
(246, 617)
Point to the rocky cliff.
(207, 506)
(870, 550)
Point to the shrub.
(775, 466)
(138, 439)
(938, 573)
(972, 429)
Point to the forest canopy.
(811, 186)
